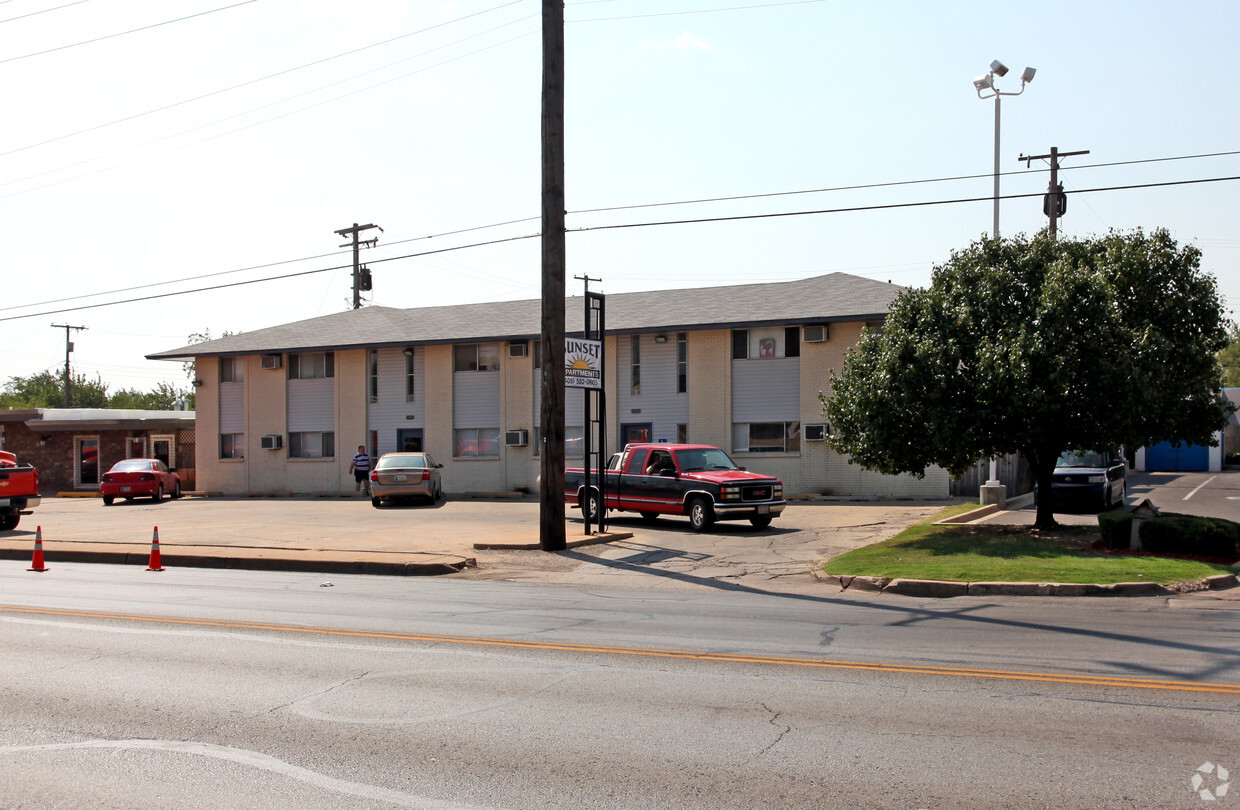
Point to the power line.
(43, 11)
(701, 220)
(922, 204)
(600, 210)
(123, 33)
(256, 123)
(700, 11)
(893, 183)
(277, 74)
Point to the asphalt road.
(244, 689)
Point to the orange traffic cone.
(36, 564)
(155, 564)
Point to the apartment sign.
(583, 363)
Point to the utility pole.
(551, 490)
(1056, 202)
(68, 350)
(361, 276)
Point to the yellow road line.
(914, 669)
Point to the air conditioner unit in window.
(270, 361)
(516, 438)
(520, 349)
(815, 433)
(271, 442)
(815, 334)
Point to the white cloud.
(687, 41)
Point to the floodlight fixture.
(1027, 76)
(998, 68)
(984, 82)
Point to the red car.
(139, 476)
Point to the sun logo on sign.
(581, 362)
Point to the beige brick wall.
(437, 434)
(520, 465)
(710, 388)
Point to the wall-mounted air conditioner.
(273, 441)
(516, 438)
(815, 433)
(270, 361)
(518, 349)
(815, 334)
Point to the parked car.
(148, 477)
(1096, 479)
(19, 490)
(405, 475)
(696, 480)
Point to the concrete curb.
(314, 562)
(938, 589)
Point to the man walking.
(360, 467)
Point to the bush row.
(1172, 533)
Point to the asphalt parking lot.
(304, 529)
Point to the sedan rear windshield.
(132, 466)
(410, 460)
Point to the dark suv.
(1094, 479)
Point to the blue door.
(1185, 458)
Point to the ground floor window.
(476, 443)
(86, 461)
(312, 444)
(682, 433)
(232, 445)
(766, 437)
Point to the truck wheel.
(589, 506)
(701, 514)
(107, 500)
(650, 517)
(9, 522)
(760, 522)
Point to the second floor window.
(230, 369)
(311, 365)
(374, 375)
(682, 362)
(635, 363)
(476, 357)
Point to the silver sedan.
(405, 475)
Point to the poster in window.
(766, 347)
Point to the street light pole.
(993, 491)
(985, 82)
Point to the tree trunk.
(1042, 463)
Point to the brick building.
(283, 409)
(72, 447)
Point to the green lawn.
(1009, 554)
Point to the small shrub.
(1232, 458)
(1116, 528)
(1189, 534)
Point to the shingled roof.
(821, 299)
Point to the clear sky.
(153, 141)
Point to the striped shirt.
(361, 462)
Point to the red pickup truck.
(696, 480)
(19, 490)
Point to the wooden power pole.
(358, 284)
(68, 351)
(1056, 203)
(551, 489)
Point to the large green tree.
(1037, 346)
(47, 390)
(1229, 358)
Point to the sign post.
(583, 368)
